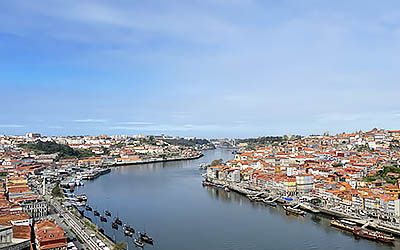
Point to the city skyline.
(199, 68)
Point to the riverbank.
(246, 191)
(118, 164)
(167, 201)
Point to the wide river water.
(168, 201)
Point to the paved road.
(73, 223)
(76, 227)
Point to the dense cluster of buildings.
(23, 212)
(102, 149)
(355, 173)
(24, 220)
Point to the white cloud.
(11, 126)
(169, 127)
(136, 123)
(90, 120)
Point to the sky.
(205, 68)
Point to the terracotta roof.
(21, 232)
(48, 230)
(6, 219)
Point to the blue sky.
(208, 68)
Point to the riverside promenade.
(247, 190)
(118, 164)
(85, 230)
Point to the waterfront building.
(304, 183)
(343, 171)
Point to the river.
(168, 201)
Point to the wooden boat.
(138, 243)
(146, 238)
(373, 235)
(129, 228)
(118, 221)
(128, 233)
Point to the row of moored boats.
(341, 224)
(139, 240)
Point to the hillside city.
(38, 174)
(349, 175)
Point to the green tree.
(120, 246)
(56, 192)
(63, 151)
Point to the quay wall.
(379, 227)
(118, 164)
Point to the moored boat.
(294, 210)
(114, 225)
(270, 203)
(82, 197)
(129, 228)
(103, 219)
(107, 213)
(96, 213)
(88, 208)
(343, 224)
(118, 221)
(138, 242)
(207, 183)
(146, 238)
(128, 233)
(373, 235)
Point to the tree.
(120, 246)
(56, 192)
(50, 147)
(216, 162)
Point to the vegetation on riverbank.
(62, 151)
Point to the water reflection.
(168, 200)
